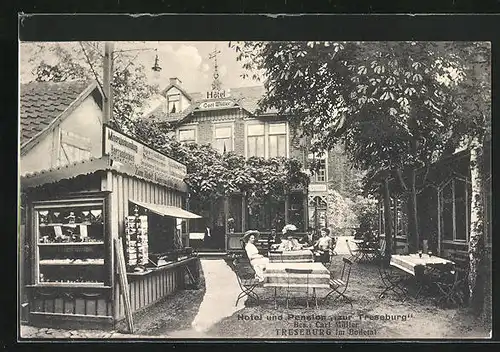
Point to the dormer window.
(174, 103)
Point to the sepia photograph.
(275, 190)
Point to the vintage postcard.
(278, 190)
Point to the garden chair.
(339, 286)
(392, 280)
(290, 272)
(354, 253)
(332, 251)
(453, 286)
(245, 274)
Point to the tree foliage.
(393, 105)
(212, 175)
(58, 62)
(389, 103)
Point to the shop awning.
(167, 210)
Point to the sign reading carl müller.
(145, 161)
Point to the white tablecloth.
(411, 263)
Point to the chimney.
(175, 80)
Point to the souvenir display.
(85, 217)
(96, 215)
(43, 217)
(56, 217)
(71, 218)
(136, 240)
(64, 256)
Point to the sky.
(188, 61)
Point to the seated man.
(273, 239)
(309, 240)
(323, 246)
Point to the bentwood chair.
(339, 286)
(391, 280)
(245, 274)
(294, 277)
(354, 253)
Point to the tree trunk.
(387, 219)
(476, 237)
(413, 236)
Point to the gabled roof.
(44, 103)
(245, 97)
(175, 85)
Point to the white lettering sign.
(146, 162)
(317, 187)
(218, 94)
(220, 104)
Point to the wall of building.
(39, 157)
(85, 122)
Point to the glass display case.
(71, 248)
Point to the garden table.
(299, 256)
(276, 275)
(429, 270)
(415, 265)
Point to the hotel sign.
(218, 104)
(142, 160)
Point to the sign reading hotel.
(144, 161)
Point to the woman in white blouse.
(258, 261)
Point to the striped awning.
(167, 210)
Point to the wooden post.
(287, 207)
(122, 273)
(244, 210)
(226, 216)
(107, 78)
(439, 220)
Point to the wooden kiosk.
(76, 213)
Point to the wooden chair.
(332, 251)
(392, 280)
(354, 253)
(451, 289)
(339, 286)
(293, 271)
(245, 274)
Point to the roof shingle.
(42, 102)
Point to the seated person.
(258, 261)
(290, 244)
(323, 246)
(309, 240)
(273, 239)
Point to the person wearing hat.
(290, 243)
(258, 261)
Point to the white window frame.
(224, 125)
(188, 128)
(178, 99)
(324, 156)
(453, 214)
(269, 134)
(266, 135)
